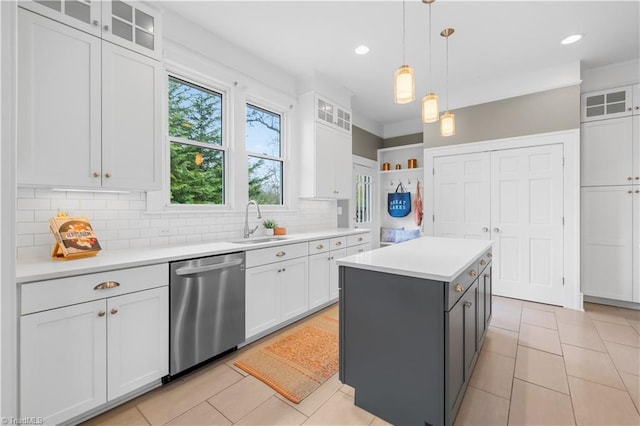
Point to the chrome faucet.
(247, 231)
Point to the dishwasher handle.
(190, 270)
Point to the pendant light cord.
(447, 73)
(430, 81)
(403, 34)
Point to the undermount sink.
(258, 240)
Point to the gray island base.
(409, 339)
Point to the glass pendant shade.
(448, 124)
(430, 108)
(404, 85)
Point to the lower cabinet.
(333, 272)
(75, 358)
(275, 290)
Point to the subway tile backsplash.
(121, 220)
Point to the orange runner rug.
(298, 363)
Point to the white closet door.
(526, 223)
(461, 190)
(607, 242)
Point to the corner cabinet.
(325, 150)
(96, 341)
(89, 111)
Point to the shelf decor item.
(279, 230)
(399, 203)
(386, 166)
(412, 163)
(269, 225)
(74, 236)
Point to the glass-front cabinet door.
(132, 25)
(81, 14)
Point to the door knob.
(496, 229)
(96, 174)
(107, 28)
(467, 304)
(630, 178)
(114, 311)
(108, 175)
(485, 229)
(101, 313)
(95, 22)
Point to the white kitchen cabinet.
(635, 94)
(319, 272)
(328, 112)
(610, 259)
(610, 103)
(130, 24)
(276, 290)
(609, 153)
(325, 155)
(334, 276)
(63, 361)
(88, 111)
(96, 341)
(138, 341)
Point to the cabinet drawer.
(276, 254)
(354, 240)
(319, 246)
(358, 249)
(43, 295)
(338, 243)
(460, 284)
(485, 260)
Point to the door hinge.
(563, 281)
(433, 171)
(562, 220)
(433, 218)
(562, 161)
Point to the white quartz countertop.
(433, 258)
(37, 269)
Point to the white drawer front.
(50, 294)
(354, 240)
(338, 243)
(319, 246)
(276, 254)
(358, 249)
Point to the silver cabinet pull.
(338, 243)
(359, 238)
(95, 22)
(458, 288)
(483, 262)
(207, 268)
(107, 28)
(489, 254)
(107, 284)
(629, 192)
(630, 178)
(467, 304)
(473, 273)
(280, 253)
(114, 311)
(496, 229)
(101, 313)
(96, 174)
(107, 175)
(485, 229)
(319, 247)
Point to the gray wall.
(542, 112)
(402, 140)
(365, 144)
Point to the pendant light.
(430, 108)
(404, 81)
(448, 120)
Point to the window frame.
(272, 108)
(211, 85)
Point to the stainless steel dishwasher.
(206, 309)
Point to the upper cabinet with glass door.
(328, 112)
(129, 24)
(611, 103)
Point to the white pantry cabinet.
(88, 110)
(610, 239)
(111, 343)
(610, 103)
(276, 286)
(130, 24)
(325, 152)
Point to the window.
(266, 160)
(364, 199)
(196, 144)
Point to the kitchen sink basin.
(258, 240)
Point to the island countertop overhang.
(432, 258)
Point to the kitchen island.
(412, 322)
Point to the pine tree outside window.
(197, 149)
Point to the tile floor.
(539, 365)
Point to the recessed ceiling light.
(362, 50)
(571, 39)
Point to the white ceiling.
(493, 42)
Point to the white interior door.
(462, 196)
(363, 204)
(526, 223)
